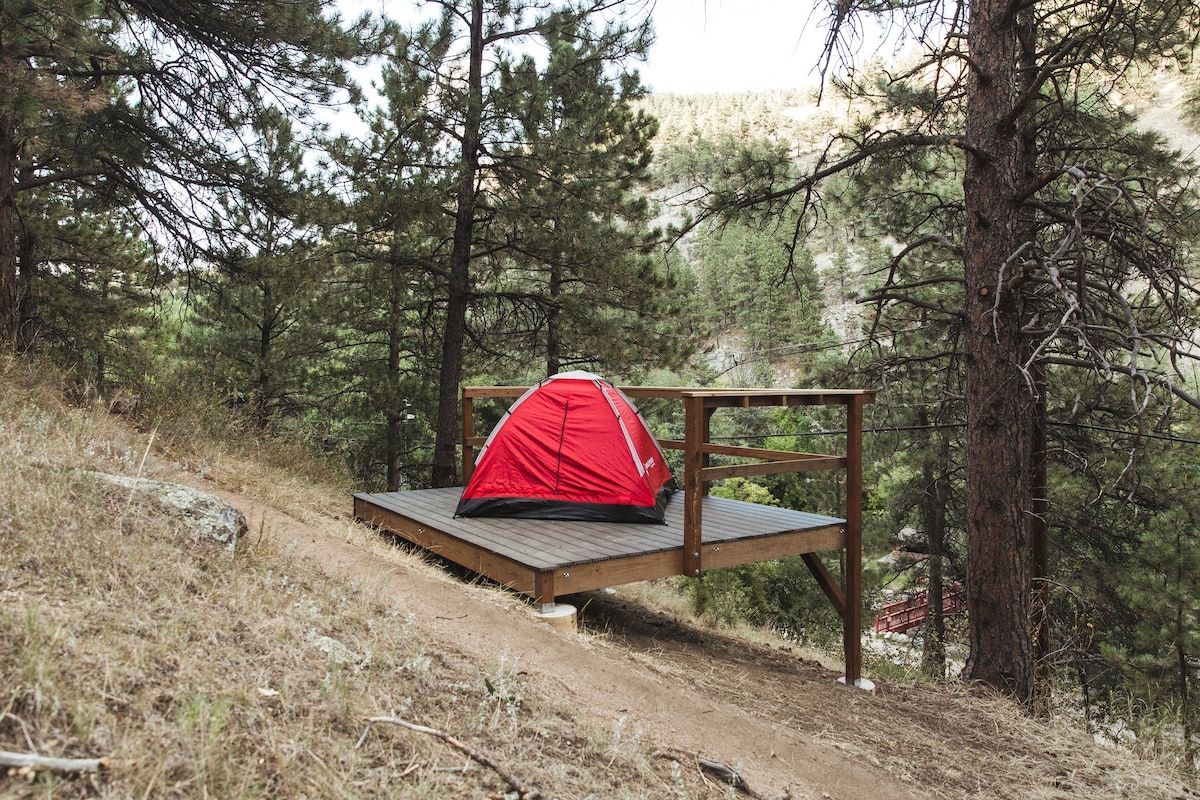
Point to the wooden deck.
(546, 558)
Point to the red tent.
(573, 447)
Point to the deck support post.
(543, 590)
(852, 615)
(697, 420)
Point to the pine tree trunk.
(8, 231)
(445, 462)
(553, 337)
(28, 272)
(394, 411)
(998, 398)
(266, 326)
(1185, 697)
(933, 517)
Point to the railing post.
(468, 428)
(695, 435)
(852, 618)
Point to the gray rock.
(205, 516)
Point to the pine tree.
(487, 106)
(586, 282)
(262, 330)
(389, 273)
(88, 278)
(1062, 229)
(138, 105)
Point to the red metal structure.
(911, 612)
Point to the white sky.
(734, 45)
(707, 45)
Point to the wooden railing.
(699, 405)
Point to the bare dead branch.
(881, 296)
(36, 763)
(1161, 381)
(524, 792)
(722, 772)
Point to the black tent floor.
(536, 557)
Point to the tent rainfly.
(571, 448)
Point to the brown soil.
(783, 722)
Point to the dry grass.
(208, 675)
(948, 738)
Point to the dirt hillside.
(784, 723)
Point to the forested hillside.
(993, 231)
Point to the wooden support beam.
(707, 460)
(493, 392)
(827, 582)
(759, 452)
(504, 571)
(695, 426)
(617, 571)
(772, 468)
(782, 545)
(852, 616)
(543, 589)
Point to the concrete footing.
(866, 684)
(560, 615)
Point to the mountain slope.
(204, 674)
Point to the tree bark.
(553, 339)
(394, 411)
(263, 401)
(999, 402)
(9, 311)
(28, 272)
(1185, 695)
(445, 463)
(933, 518)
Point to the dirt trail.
(785, 723)
(695, 700)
